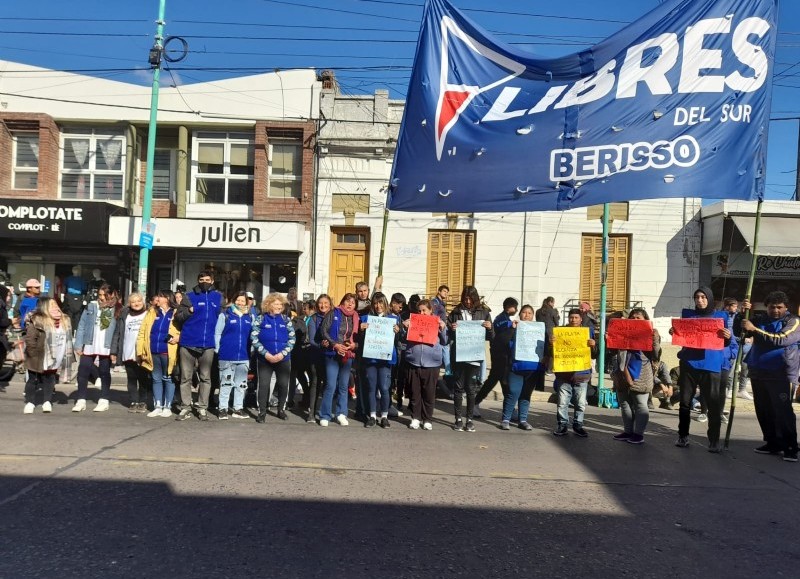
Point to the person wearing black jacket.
(5, 322)
(548, 315)
(466, 373)
(499, 353)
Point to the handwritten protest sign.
(470, 341)
(570, 350)
(423, 329)
(698, 333)
(379, 338)
(630, 335)
(529, 342)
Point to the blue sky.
(370, 43)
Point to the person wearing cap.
(251, 305)
(33, 290)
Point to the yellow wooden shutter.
(618, 268)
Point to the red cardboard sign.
(700, 333)
(629, 335)
(423, 329)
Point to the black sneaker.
(370, 422)
(560, 431)
(282, 415)
(222, 415)
(261, 418)
(766, 449)
(790, 455)
(458, 425)
(385, 422)
(682, 442)
(240, 414)
(184, 414)
(469, 426)
(623, 436)
(580, 431)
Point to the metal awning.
(778, 236)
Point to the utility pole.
(146, 236)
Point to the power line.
(341, 11)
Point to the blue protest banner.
(470, 341)
(529, 345)
(676, 104)
(379, 338)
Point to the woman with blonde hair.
(273, 339)
(123, 351)
(48, 342)
(157, 350)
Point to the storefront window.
(229, 277)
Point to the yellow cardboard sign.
(570, 350)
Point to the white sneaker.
(342, 420)
(745, 394)
(155, 413)
(728, 393)
(47, 407)
(323, 422)
(414, 424)
(427, 426)
(28, 408)
(98, 383)
(102, 405)
(80, 405)
(166, 412)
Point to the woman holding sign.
(633, 381)
(424, 336)
(526, 366)
(378, 370)
(470, 326)
(703, 335)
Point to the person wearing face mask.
(197, 318)
(93, 343)
(232, 344)
(123, 348)
(702, 368)
(48, 341)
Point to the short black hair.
(510, 303)
(443, 286)
(574, 311)
(775, 298)
(399, 298)
(204, 273)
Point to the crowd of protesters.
(177, 350)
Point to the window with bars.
(617, 281)
(26, 161)
(162, 174)
(223, 168)
(92, 164)
(285, 165)
(451, 262)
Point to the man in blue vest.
(197, 315)
(773, 364)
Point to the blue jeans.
(575, 393)
(232, 376)
(520, 388)
(163, 386)
(379, 377)
(338, 379)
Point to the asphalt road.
(120, 495)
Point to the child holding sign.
(633, 381)
(423, 360)
(466, 363)
(572, 385)
(701, 368)
(378, 372)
